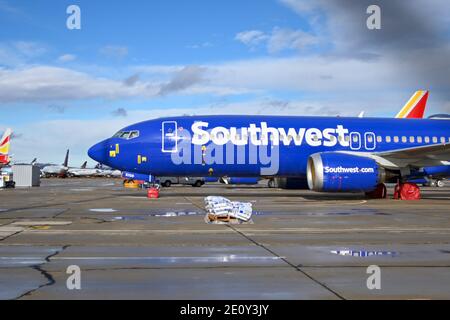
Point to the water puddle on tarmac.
(350, 212)
(103, 210)
(364, 253)
(156, 215)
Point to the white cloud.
(200, 46)
(20, 52)
(117, 52)
(278, 40)
(282, 39)
(251, 38)
(44, 83)
(67, 58)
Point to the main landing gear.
(379, 193)
(403, 191)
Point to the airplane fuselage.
(254, 146)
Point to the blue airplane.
(331, 154)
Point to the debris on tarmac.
(222, 210)
(363, 253)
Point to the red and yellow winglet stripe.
(415, 107)
(5, 142)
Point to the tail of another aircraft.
(4, 147)
(66, 160)
(415, 107)
(84, 165)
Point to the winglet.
(415, 107)
(5, 141)
(4, 146)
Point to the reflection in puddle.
(103, 210)
(364, 253)
(350, 212)
(175, 214)
(177, 260)
(157, 215)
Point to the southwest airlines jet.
(331, 154)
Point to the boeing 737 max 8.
(332, 154)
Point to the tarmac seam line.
(289, 263)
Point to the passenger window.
(388, 139)
(427, 139)
(412, 139)
(404, 139)
(435, 140)
(370, 139)
(419, 140)
(379, 139)
(443, 140)
(396, 139)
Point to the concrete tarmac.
(301, 244)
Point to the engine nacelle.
(340, 172)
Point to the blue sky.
(135, 60)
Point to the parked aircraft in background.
(108, 172)
(83, 171)
(57, 170)
(329, 154)
(4, 148)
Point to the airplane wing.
(423, 156)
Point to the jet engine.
(341, 172)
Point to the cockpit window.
(127, 135)
(134, 134)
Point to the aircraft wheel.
(167, 184)
(440, 184)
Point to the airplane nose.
(99, 151)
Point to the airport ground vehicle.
(6, 179)
(191, 181)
